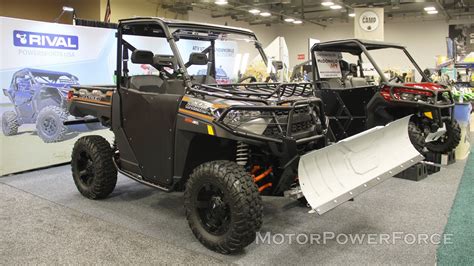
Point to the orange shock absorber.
(262, 175)
(262, 188)
(254, 170)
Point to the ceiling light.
(430, 8)
(352, 15)
(221, 2)
(254, 11)
(297, 22)
(335, 7)
(265, 14)
(327, 3)
(289, 19)
(432, 12)
(68, 9)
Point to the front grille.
(302, 122)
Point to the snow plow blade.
(339, 172)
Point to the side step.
(339, 172)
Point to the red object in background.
(422, 85)
(301, 56)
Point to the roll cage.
(358, 47)
(158, 27)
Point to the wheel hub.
(86, 168)
(213, 210)
(49, 126)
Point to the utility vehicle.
(359, 95)
(39, 97)
(225, 145)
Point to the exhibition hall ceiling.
(322, 12)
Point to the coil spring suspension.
(242, 153)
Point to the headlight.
(249, 121)
(407, 96)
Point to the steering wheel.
(397, 79)
(250, 78)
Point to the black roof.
(353, 45)
(190, 24)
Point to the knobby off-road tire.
(449, 141)
(10, 123)
(50, 124)
(417, 137)
(93, 170)
(223, 206)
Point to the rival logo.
(45, 40)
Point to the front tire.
(417, 137)
(223, 206)
(50, 124)
(10, 123)
(449, 141)
(93, 170)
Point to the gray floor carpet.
(45, 219)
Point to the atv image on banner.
(39, 97)
(354, 101)
(225, 145)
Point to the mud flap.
(339, 172)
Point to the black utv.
(225, 145)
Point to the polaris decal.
(45, 40)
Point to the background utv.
(39, 97)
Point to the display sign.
(369, 20)
(301, 56)
(369, 23)
(39, 63)
(462, 38)
(328, 64)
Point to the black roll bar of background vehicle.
(372, 61)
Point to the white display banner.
(328, 64)
(369, 23)
(39, 62)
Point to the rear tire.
(223, 206)
(50, 124)
(93, 170)
(10, 123)
(449, 141)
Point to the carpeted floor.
(44, 219)
(460, 250)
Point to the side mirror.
(142, 57)
(197, 59)
(278, 65)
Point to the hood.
(426, 85)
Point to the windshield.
(209, 56)
(236, 56)
(394, 63)
(47, 78)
